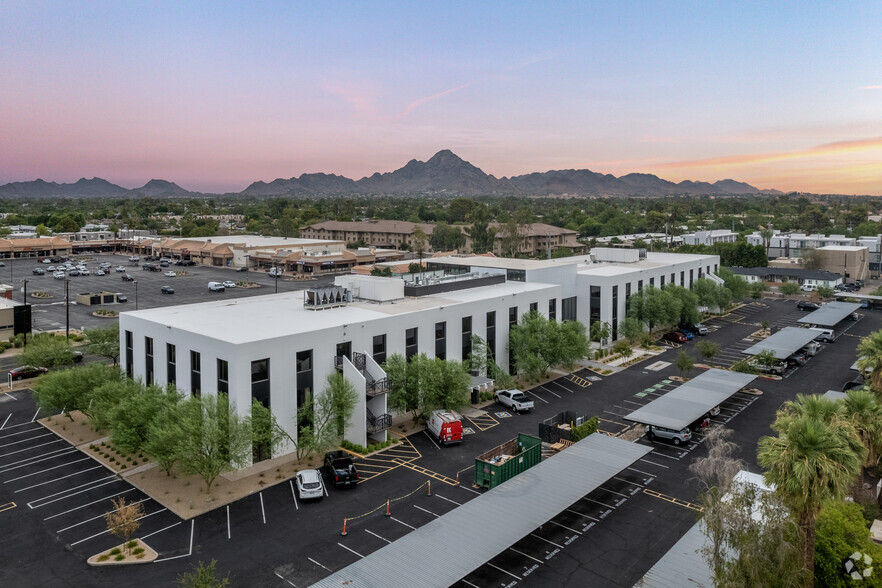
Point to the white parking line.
(428, 511)
(448, 500)
(281, 577)
(31, 504)
(33, 447)
(29, 461)
(655, 464)
(7, 420)
(64, 465)
(107, 531)
(533, 392)
(549, 391)
(547, 541)
(351, 550)
(318, 564)
(28, 439)
(403, 523)
(35, 415)
(525, 555)
(614, 492)
(161, 530)
(470, 490)
(192, 528)
(598, 502)
(469, 583)
(53, 480)
(378, 537)
(582, 514)
(262, 511)
(89, 504)
(564, 527)
(432, 440)
(101, 516)
(504, 571)
(229, 532)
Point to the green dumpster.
(507, 460)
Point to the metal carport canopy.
(830, 314)
(447, 549)
(684, 405)
(783, 343)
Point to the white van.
(275, 272)
(811, 349)
(808, 287)
(215, 287)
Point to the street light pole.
(25, 342)
(67, 308)
(136, 294)
(276, 275)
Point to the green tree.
(623, 348)
(42, 230)
(862, 409)
(104, 343)
(203, 576)
(403, 395)
(481, 234)
(812, 259)
(842, 531)
(446, 238)
(789, 288)
(655, 307)
(418, 242)
(685, 363)
(600, 331)
(825, 292)
(632, 329)
(689, 302)
(343, 399)
(47, 350)
(214, 437)
(757, 289)
(72, 389)
(737, 285)
(447, 385)
(538, 344)
(809, 462)
(131, 418)
(266, 433)
(165, 437)
(106, 397)
(708, 349)
(869, 353)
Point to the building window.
(304, 383)
(673, 279)
(615, 312)
(568, 309)
(148, 360)
(410, 343)
(627, 290)
(552, 309)
(682, 281)
(491, 336)
(690, 278)
(466, 337)
(130, 353)
(639, 285)
(516, 275)
(379, 351)
(195, 373)
(594, 315)
(170, 366)
(534, 307)
(441, 340)
(223, 376)
(260, 378)
(512, 323)
(661, 281)
(652, 282)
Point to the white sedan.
(515, 400)
(121, 268)
(229, 284)
(170, 274)
(309, 485)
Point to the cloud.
(422, 101)
(826, 149)
(877, 87)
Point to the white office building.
(710, 237)
(280, 348)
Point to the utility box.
(507, 460)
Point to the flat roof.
(783, 343)
(683, 564)
(687, 403)
(450, 547)
(841, 248)
(651, 260)
(258, 240)
(258, 318)
(830, 314)
(857, 296)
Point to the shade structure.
(784, 343)
(831, 314)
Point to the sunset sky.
(215, 95)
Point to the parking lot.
(52, 497)
(144, 292)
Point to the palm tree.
(809, 462)
(865, 413)
(870, 358)
(767, 235)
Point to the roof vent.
(322, 298)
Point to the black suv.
(803, 305)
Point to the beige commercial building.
(849, 261)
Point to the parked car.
(73, 272)
(309, 485)
(676, 337)
(689, 336)
(104, 265)
(51, 268)
(695, 329)
(341, 468)
(677, 437)
(275, 272)
(853, 316)
(808, 287)
(515, 400)
(58, 275)
(26, 371)
(84, 272)
(46, 260)
(2, 264)
(169, 274)
(796, 359)
(100, 273)
(121, 268)
(804, 305)
(825, 335)
(167, 290)
(229, 284)
(134, 259)
(163, 264)
(122, 298)
(78, 356)
(215, 287)
(127, 278)
(242, 269)
(777, 368)
(38, 271)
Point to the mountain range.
(444, 173)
